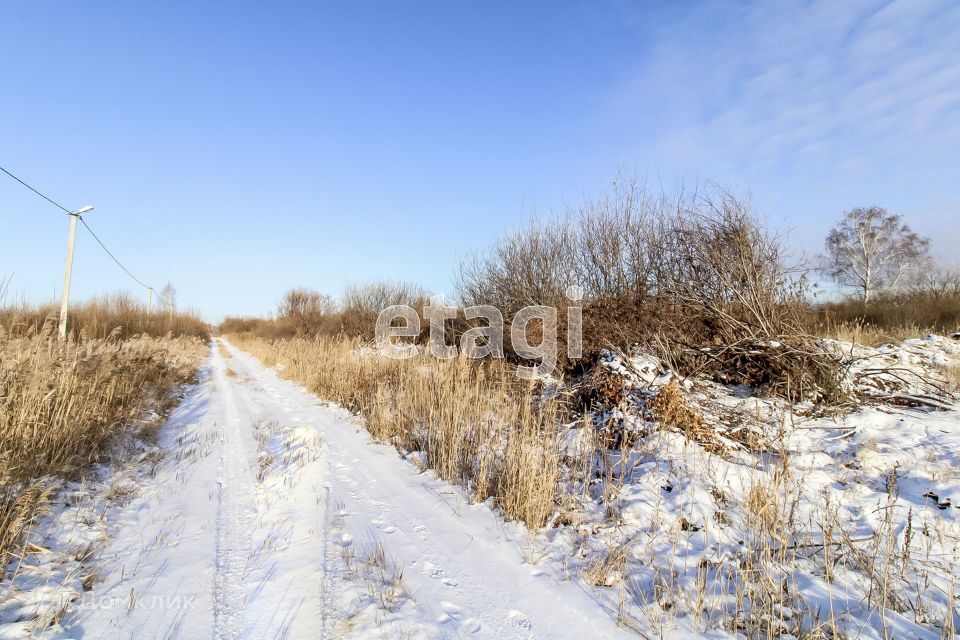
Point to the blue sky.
(237, 149)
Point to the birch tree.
(871, 252)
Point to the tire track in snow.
(327, 595)
(287, 584)
(235, 491)
(210, 549)
(466, 575)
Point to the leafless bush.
(730, 305)
(723, 266)
(531, 266)
(696, 277)
(606, 247)
(307, 313)
(305, 310)
(362, 303)
(937, 281)
(376, 296)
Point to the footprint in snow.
(451, 608)
(432, 570)
(470, 625)
(437, 573)
(518, 620)
(453, 611)
(450, 612)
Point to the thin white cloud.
(816, 95)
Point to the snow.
(682, 519)
(272, 514)
(261, 511)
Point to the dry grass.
(119, 315)
(60, 402)
(670, 408)
(384, 577)
(869, 334)
(911, 314)
(477, 424)
(609, 568)
(951, 376)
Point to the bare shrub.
(307, 313)
(731, 307)
(531, 266)
(936, 281)
(362, 303)
(695, 277)
(377, 296)
(602, 247)
(305, 310)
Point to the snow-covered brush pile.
(700, 507)
(917, 372)
(627, 398)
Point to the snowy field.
(262, 512)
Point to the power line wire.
(95, 236)
(119, 264)
(50, 200)
(109, 253)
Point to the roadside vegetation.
(118, 315)
(676, 431)
(63, 402)
(472, 423)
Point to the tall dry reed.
(101, 316)
(61, 401)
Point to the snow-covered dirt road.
(273, 515)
